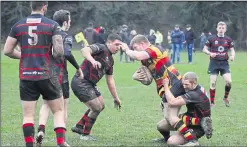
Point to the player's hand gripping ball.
(143, 75)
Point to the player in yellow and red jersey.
(161, 67)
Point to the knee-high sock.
(182, 128)
(81, 122)
(28, 131)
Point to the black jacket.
(189, 36)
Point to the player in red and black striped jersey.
(219, 46)
(37, 35)
(62, 17)
(160, 67)
(198, 105)
(98, 62)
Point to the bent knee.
(229, 83)
(160, 126)
(98, 109)
(175, 140)
(172, 141)
(212, 84)
(173, 120)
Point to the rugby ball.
(143, 75)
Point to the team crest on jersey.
(221, 48)
(225, 42)
(68, 39)
(216, 42)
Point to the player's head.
(189, 81)
(113, 42)
(62, 17)
(40, 6)
(139, 43)
(221, 28)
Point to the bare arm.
(9, 48)
(232, 56)
(232, 52)
(137, 55)
(57, 42)
(205, 50)
(86, 53)
(172, 101)
(111, 86)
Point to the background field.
(135, 125)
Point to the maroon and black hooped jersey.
(34, 34)
(197, 102)
(100, 53)
(219, 45)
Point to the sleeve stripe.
(152, 53)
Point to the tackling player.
(198, 105)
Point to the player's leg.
(53, 96)
(92, 98)
(228, 80)
(29, 95)
(43, 117)
(212, 91)
(80, 90)
(180, 126)
(28, 109)
(65, 89)
(198, 133)
(101, 99)
(95, 107)
(164, 126)
(45, 110)
(213, 70)
(176, 139)
(204, 122)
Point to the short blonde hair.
(138, 39)
(191, 76)
(221, 23)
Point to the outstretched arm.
(137, 55)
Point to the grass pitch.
(135, 124)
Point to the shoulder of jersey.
(228, 37)
(212, 36)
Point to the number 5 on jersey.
(34, 37)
